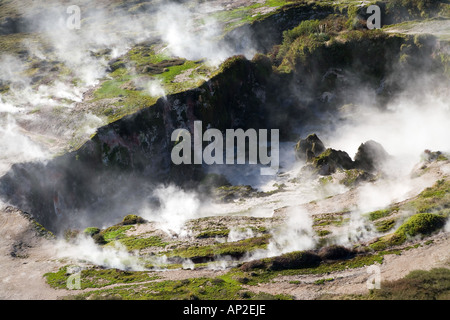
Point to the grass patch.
(96, 278)
(433, 199)
(261, 275)
(115, 232)
(322, 281)
(235, 249)
(132, 243)
(417, 285)
(375, 215)
(420, 224)
(385, 225)
(213, 234)
(219, 288)
(326, 219)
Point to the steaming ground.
(52, 72)
(24, 255)
(40, 121)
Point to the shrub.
(291, 260)
(99, 239)
(132, 219)
(422, 224)
(400, 10)
(306, 27)
(91, 231)
(295, 260)
(254, 264)
(335, 252)
(418, 284)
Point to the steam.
(295, 234)
(408, 127)
(15, 144)
(176, 208)
(85, 249)
(237, 234)
(155, 88)
(192, 34)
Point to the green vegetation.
(375, 215)
(139, 69)
(248, 14)
(235, 249)
(336, 219)
(413, 9)
(115, 232)
(132, 219)
(258, 272)
(219, 288)
(417, 285)
(420, 224)
(213, 233)
(434, 199)
(432, 210)
(323, 233)
(306, 27)
(133, 243)
(385, 225)
(322, 281)
(91, 231)
(96, 278)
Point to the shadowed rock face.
(369, 159)
(331, 160)
(309, 148)
(114, 173)
(370, 156)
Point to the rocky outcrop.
(369, 159)
(370, 156)
(309, 148)
(115, 171)
(331, 160)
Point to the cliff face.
(292, 86)
(130, 155)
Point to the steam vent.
(225, 150)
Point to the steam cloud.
(408, 126)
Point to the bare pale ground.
(439, 28)
(21, 277)
(25, 257)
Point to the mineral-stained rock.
(370, 156)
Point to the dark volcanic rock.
(370, 156)
(309, 148)
(331, 160)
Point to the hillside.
(90, 192)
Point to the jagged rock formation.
(309, 148)
(368, 160)
(331, 160)
(370, 156)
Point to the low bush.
(335, 252)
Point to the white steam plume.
(85, 249)
(192, 34)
